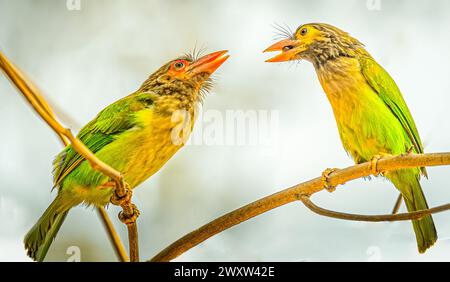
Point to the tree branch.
(397, 204)
(113, 236)
(371, 218)
(294, 193)
(31, 94)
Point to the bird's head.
(317, 43)
(186, 75)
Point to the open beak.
(289, 50)
(209, 63)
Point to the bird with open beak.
(134, 135)
(371, 114)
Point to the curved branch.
(372, 218)
(292, 194)
(28, 92)
(31, 94)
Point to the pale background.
(84, 60)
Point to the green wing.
(102, 130)
(387, 89)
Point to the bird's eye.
(304, 31)
(179, 65)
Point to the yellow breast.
(153, 144)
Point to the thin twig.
(134, 255)
(292, 194)
(397, 204)
(32, 95)
(29, 91)
(96, 164)
(372, 218)
(39, 100)
(113, 236)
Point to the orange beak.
(289, 50)
(209, 63)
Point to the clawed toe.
(129, 219)
(120, 200)
(325, 179)
(374, 165)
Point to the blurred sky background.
(85, 59)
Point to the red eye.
(179, 65)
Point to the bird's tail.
(407, 181)
(40, 237)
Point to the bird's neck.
(178, 101)
(329, 55)
(174, 96)
(340, 78)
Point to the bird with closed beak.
(136, 135)
(371, 114)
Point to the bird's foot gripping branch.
(129, 214)
(122, 198)
(325, 179)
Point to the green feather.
(383, 84)
(101, 131)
